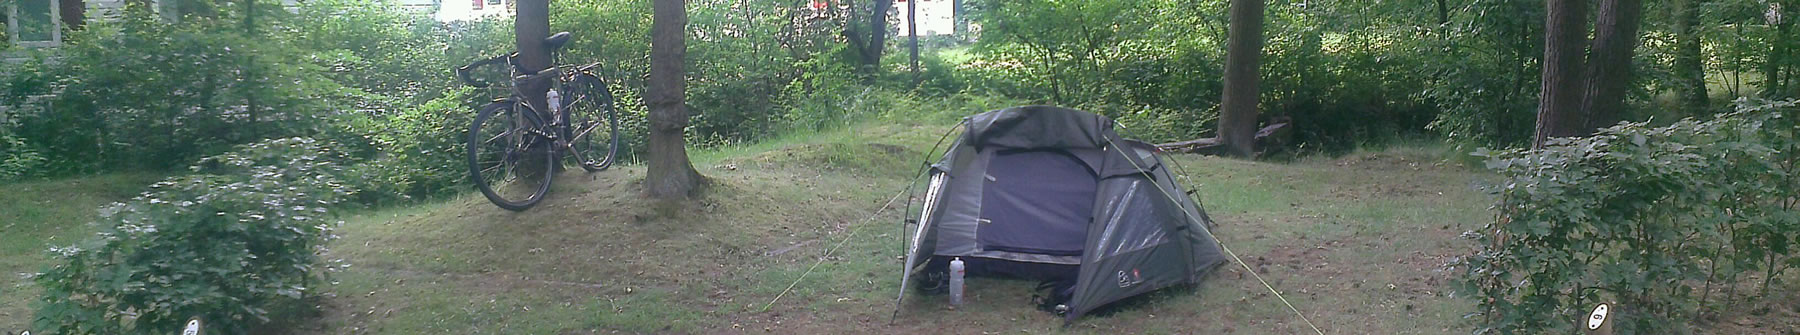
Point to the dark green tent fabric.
(1143, 232)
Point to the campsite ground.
(1357, 243)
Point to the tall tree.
(912, 37)
(1609, 62)
(251, 107)
(868, 40)
(1443, 11)
(1243, 58)
(1690, 72)
(1559, 104)
(669, 175)
(531, 24)
(1779, 17)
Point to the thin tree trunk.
(251, 107)
(1690, 72)
(871, 52)
(1772, 64)
(1559, 104)
(669, 174)
(1609, 64)
(912, 34)
(1237, 108)
(1443, 13)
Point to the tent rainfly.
(1055, 194)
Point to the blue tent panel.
(1036, 201)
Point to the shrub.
(18, 160)
(1659, 220)
(242, 235)
(418, 152)
(141, 93)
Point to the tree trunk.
(1443, 13)
(912, 34)
(1772, 65)
(669, 175)
(1609, 64)
(1237, 108)
(1690, 72)
(252, 86)
(1559, 104)
(73, 13)
(868, 48)
(531, 24)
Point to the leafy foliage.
(226, 244)
(419, 151)
(1658, 219)
(18, 159)
(379, 47)
(141, 93)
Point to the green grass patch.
(36, 215)
(1355, 242)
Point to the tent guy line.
(834, 248)
(1228, 251)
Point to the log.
(1210, 145)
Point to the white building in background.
(457, 10)
(936, 17)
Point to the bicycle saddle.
(556, 41)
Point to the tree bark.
(868, 44)
(251, 107)
(1559, 104)
(1237, 108)
(1443, 13)
(1609, 63)
(1778, 45)
(912, 34)
(531, 24)
(1690, 72)
(669, 175)
(73, 13)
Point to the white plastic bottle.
(554, 99)
(957, 271)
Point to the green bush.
(142, 93)
(226, 244)
(380, 47)
(18, 160)
(1665, 221)
(418, 152)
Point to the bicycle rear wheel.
(508, 162)
(593, 122)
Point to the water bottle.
(554, 99)
(956, 281)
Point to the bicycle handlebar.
(462, 73)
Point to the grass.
(39, 214)
(596, 257)
(1355, 243)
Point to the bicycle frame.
(531, 132)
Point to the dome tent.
(1053, 193)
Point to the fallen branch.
(1209, 145)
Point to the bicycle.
(509, 137)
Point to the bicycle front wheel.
(593, 122)
(509, 162)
